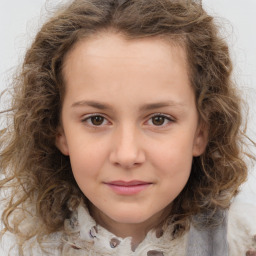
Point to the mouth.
(128, 187)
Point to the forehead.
(110, 67)
(109, 44)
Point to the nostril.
(126, 158)
(127, 163)
(126, 150)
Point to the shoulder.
(9, 246)
(241, 228)
(46, 247)
(11, 243)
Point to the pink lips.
(128, 187)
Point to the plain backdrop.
(20, 20)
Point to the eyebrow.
(157, 105)
(146, 107)
(94, 104)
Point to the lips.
(128, 187)
(128, 183)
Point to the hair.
(36, 171)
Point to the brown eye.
(97, 120)
(158, 120)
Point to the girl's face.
(129, 124)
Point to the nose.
(127, 151)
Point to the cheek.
(85, 167)
(174, 174)
(173, 157)
(87, 159)
(173, 164)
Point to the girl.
(125, 136)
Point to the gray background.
(20, 20)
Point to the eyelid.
(168, 117)
(86, 117)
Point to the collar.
(83, 234)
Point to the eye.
(160, 120)
(95, 120)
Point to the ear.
(201, 139)
(61, 142)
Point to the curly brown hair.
(39, 174)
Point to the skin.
(146, 129)
(251, 253)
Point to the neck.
(137, 231)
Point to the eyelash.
(88, 119)
(167, 118)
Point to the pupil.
(158, 120)
(97, 120)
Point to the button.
(114, 242)
(93, 231)
(159, 233)
(155, 253)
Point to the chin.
(130, 218)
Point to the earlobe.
(61, 142)
(201, 140)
